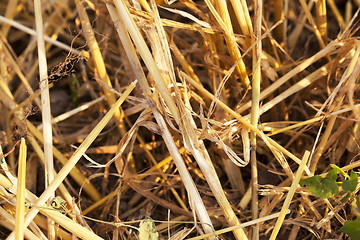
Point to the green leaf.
(344, 199)
(351, 183)
(352, 228)
(332, 175)
(322, 187)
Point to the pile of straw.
(175, 120)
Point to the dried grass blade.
(147, 57)
(337, 13)
(234, 51)
(33, 33)
(20, 197)
(278, 16)
(74, 111)
(324, 139)
(290, 195)
(321, 19)
(45, 106)
(18, 71)
(312, 22)
(300, 85)
(243, 17)
(195, 200)
(9, 13)
(255, 94)
(99, 63)
(294, 36)
(113, 194)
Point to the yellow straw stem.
(255, 93)
(321, 20)
(99, 63)
(242, 14)
(278, 16)
(145, 54)
(45, 106)
(230, 39)
(20, 199)
(70, 225)
(290, 195)
(312, 22)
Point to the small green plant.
(75, 90)
(328, 187)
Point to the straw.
(289, 196)
(20, 199)
(45, 105)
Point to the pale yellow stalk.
(300, 85)
(243, 18)
(45, 106)
(98, 61)
(20, 198)
(312, 22)
(234, 51)
(188, 127)
(33, 33)
(348, 12)
(278, 16)
(10, 224)
(290, 195)
(54, 214)
(255, 93)
(145, 54)
(321, 20)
